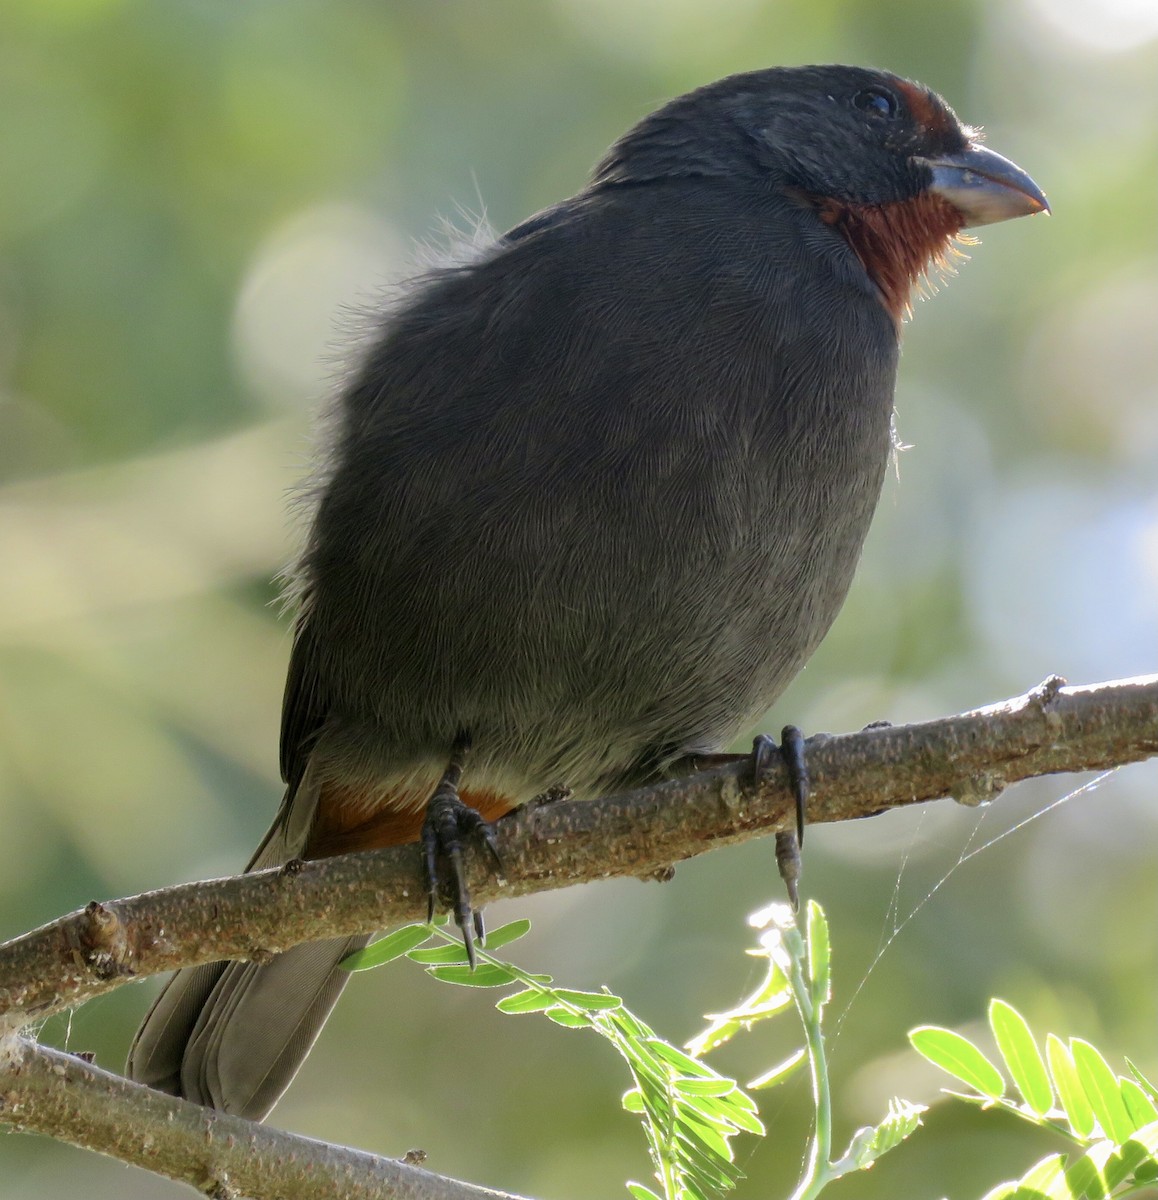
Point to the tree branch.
(972, 756)
(45, 1091)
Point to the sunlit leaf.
(787, 949)
(1046, 1178)
(959, 1057)
(567, 1017)
(529, 1000)
(1143, 1082)
(715, 1172)
(684, 1063)
(1123, 1162)
(1141, 1108)
(1140, 1154)
(737, 1109)
(716, 1034)
(643, 1063)
(706, 1087)
(1003, 1191)
(1079, 1112)
(505, 934)
(819, 955)
(393, 945)
(871, 1142)
(1101, 1086)
(1085, 1178)
(772, 996)
(451, 952)
(630, 1024)
(589, 1000)
(700, 1110)
(779, 1072)
(655, 1099)
(706, 1135)
(1021, 1055)
(485, 975)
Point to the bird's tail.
(232, 1035)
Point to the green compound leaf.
(871, 1142)
(1021, 1055)
(703, 1135)
(678, 1059)
(771, 997)
(1125, 1161)
(567, 1017)
(505, 934)
(485, 975)
(656, 1103)
(528, 1000)
(1086, 1178)
(737, 1110)
(393, 945)
(630, 1025)
(1079, 1112)
(819, 955)
(1101, 1087)
(1147, 1170)
(1141, 1108)
(706, 1087)
(643, 1064)
(689, 1112)
(701, 1115)
(450, 952)
(1046, 1178)
(713, 1172)
(780, 1072)
(959, 1057)
(1003, 1191)
(588, 1000)
(902, 1120)
(1143, 1082)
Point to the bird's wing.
(304, 706)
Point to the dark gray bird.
(594, 497)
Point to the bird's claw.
(788, 844)
(449, 825)
(792, 751)
(788, 865)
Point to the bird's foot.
(449, 825)
(764, 749)
(788, 843)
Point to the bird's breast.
(617, 513)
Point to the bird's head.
(882, 159)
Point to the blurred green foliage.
(197, 201)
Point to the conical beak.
(983, 186)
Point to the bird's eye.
(876, 101)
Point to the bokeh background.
(197, 201)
